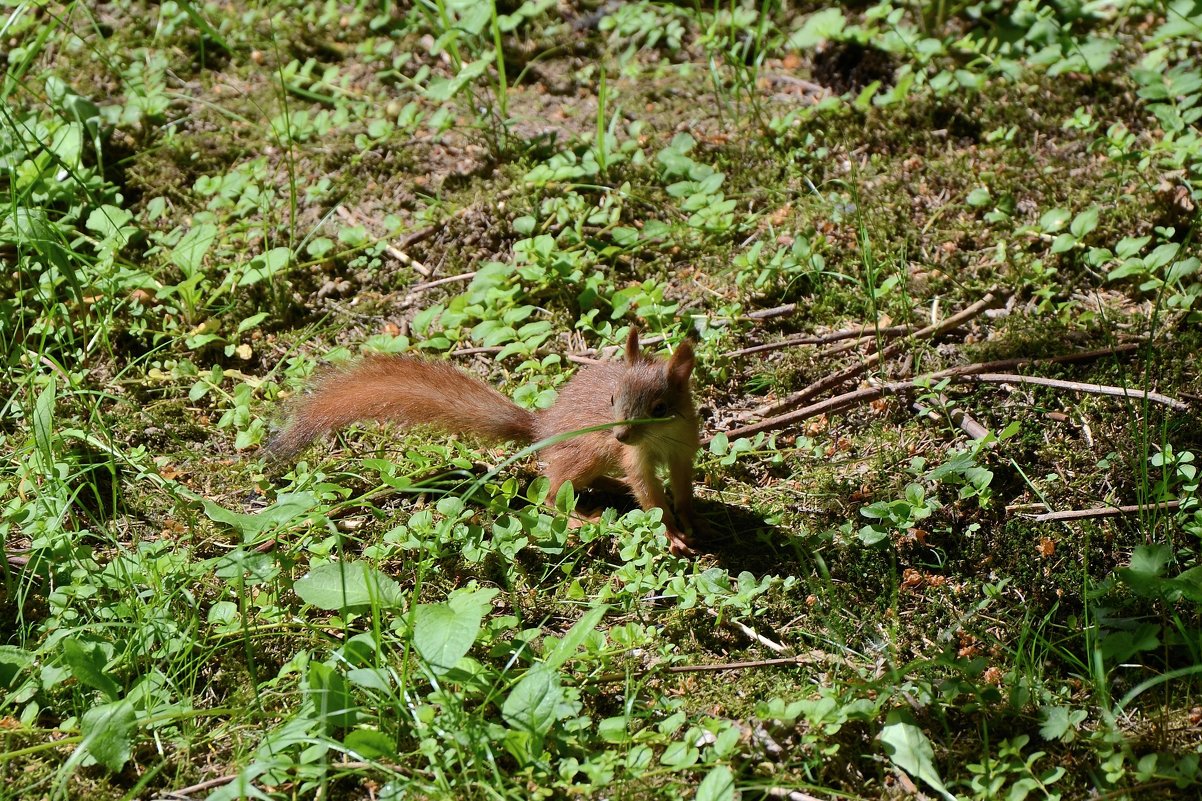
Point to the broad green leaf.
(1181, 269)
(86, 663)
(341, 585)
(910, 750)
(1084, 222)
(1063, 242)
(13, 661)
(1053, 220)
(1161, 255)
(288, 507)
(265, 266)
(189, 254)
(106, 733)
(978, 197)
(43, 419)
(1055, 723)
(1128, 246)
(109, 222)
(444, 633)
(370, 744)
(718, 785)
(565, 649)
(533, 703)
(817, 28)
(331, 696)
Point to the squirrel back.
(410, 391)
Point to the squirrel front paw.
(679, 543)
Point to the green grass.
(201, 205)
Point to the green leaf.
(1161, 255)
(1061, 722)
(106, 733)
(1144, 572)
(370, 744)
(331, 696)
(533, 703)
(444, 633)
(109, 222)
(265, 266)
(1130, 267)
(1084, 222)
(1131, 245)
(565, 649)
(910, 750)
(978, 197)
(718, 785)
(336, 586)
(1063, 242)
(86, 663)
(288, 507)
(13, 661)
(43, 419)
(1189, 584)
(817, 28)
(189, 254)
(1053, 220)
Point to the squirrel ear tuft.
(680, 366)
(632, 345)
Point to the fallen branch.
(398, 254)
(417, 289)
(992, 298)
(1075, 386)
(752, 634)
(775, 311)
(958, 416)
(965, 373)
(819, 339)
(1102, 511)
(1021, 361)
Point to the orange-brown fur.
(415, 392)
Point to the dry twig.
(970, 372)
(992, 298)
(820, 339)
(1075, 386)
(398, 254)
(1103, 511)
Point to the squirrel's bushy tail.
(411, 391)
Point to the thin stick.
(450, 279)
(791, 795)
(992, 298)
(954, 375)
(775, 311)
(753, 635)
(819, 339)
(958, 416)
(1020, 361)
(1102, 511)
(1076, 386)
(404, 258)
(184, 792)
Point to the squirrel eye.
(659, 410)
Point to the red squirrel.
(416, 392)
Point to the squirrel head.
(652, 388)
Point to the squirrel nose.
(623, 433)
